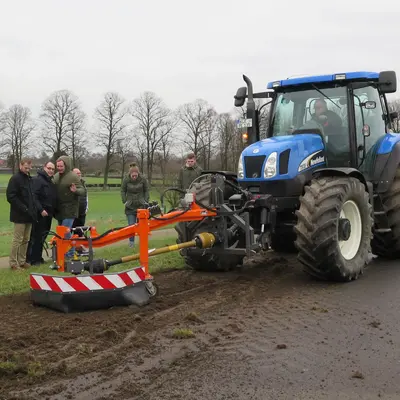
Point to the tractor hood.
(288, 155)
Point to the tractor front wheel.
(334, 228)
(208, 262)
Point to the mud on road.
(262, 332)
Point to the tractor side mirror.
(387, 81)
(366, 130)
(240, 96)
(369, 105)
(393, 115)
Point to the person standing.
(189, 172)
(83, 203)
(134, 195)
(83, 209)
(45, 193)
(23, 213)
(69, 188)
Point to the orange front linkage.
(142, 228)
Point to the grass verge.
(13, 282)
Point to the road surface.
(260, 333)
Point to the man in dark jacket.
(69, 188)
(45, 193)
(329, 120)
(189, 172)
(22, 213)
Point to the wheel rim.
(349, 248)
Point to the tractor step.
(379, 212)
(383, 230)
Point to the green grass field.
(105, 211)
(12, 282)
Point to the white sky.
(184, 50)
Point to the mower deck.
(91, 291)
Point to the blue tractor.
(324, 183)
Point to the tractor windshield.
(318, 109)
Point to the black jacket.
(21, 198)
(45, 192)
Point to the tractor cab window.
(323, 111)
(369, 117)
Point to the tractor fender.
(346, 171)
(385, 168)
(355, 173)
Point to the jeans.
(132, 221)
(68, 222)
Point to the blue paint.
(388, 142)
(326, 78)
(301, 146)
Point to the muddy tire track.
(42, 346)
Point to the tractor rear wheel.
(387, 245)
(334, 228)
(208, 262)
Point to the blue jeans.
(68, 222)
(132, 219)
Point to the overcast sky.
(184, 50)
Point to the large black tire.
(207, 262)
(322, 254)
(387, 245)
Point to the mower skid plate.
(77, 293)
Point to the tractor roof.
(347, 76)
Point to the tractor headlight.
(240, 168)
(270, 165)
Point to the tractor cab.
(348, 111)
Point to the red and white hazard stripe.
(84, 283)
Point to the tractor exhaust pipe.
(251, 113)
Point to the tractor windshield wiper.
(323, 94)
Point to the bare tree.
(124, 152)
(110, 115)
(226, 134)
(58, 112)
(208, 144)
(154, 122)
(17, 130)
(163, 156)
(140, 145)
(77, 137)
(195, 118)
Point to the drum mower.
(87, 284)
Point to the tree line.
(144, 130)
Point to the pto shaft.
(203, 240)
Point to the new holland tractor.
(324, 183)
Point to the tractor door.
(370, 116)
